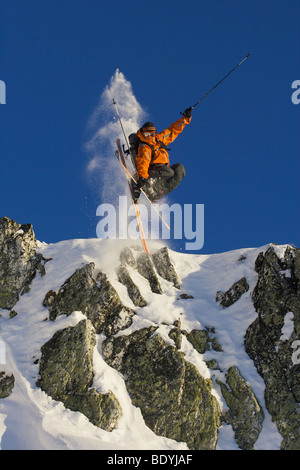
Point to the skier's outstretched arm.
(169, 135)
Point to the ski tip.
(248, 55)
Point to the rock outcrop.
(245, 413)
(132, 289)
(276, 294)
(175, 400)
(7, 382)
(233, 294)
(66, 374)
(19, 261)
(95, 298)
(146, 268)
(164, 266)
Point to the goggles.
(149, 133)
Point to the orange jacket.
(144, 156)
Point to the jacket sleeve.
(169, 135)
(143, 160)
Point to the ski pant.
(165, 178)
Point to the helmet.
(148, 129)
(149, 126)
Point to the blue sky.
(241, 151)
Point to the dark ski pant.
(166, 178)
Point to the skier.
(154, 174)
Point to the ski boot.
(152, 189)
(135, 191)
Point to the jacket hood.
(149, 140)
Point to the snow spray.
(102, 169)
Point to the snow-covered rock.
(109, 349)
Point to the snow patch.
(288, 326)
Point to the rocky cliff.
(204, 346)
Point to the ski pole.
(248, 55)
(120, 121)
(125, 137)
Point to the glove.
(188, 112)
(141, 182)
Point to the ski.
(121, 158)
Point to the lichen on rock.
(7, 382)
(245, 413)
(176, 334)
(19, 261)
(146, 269)
(164, 266)
(97, 299)
(202, 340)
(276, 294)
(66, 374)
(175, 400)
(233, 294)
(132, 289)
